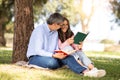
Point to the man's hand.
(59, 55)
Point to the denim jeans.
(53, 63)
(79, 55)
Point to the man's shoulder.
(41, 25)
(38, 29)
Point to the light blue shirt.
(42, 42)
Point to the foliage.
(68, 8)
(9, 27)
(116, 10)
(6, 11)
(72, 9)
(13, 72)
(65, 7)
(116, 7)
(37, 8)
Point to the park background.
(100, 17)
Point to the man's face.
(57, 26)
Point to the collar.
(48, 29)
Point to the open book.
(65, 52)
(80, 37)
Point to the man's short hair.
(55, 18)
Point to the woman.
(66, 42)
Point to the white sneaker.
(101, 73)
(95, 73)
(91, 74)
(94, 69)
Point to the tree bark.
(23, 27)
(2, 38)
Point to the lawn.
(110, 61)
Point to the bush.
(9, 27)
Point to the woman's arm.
(77, 46)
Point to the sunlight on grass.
(104, 54)
(5, 76)
(21, 73)
(10, 71)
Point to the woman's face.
(65, 26)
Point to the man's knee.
(70, 57)
(53, 64)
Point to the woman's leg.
(85, 60)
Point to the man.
(44, 41)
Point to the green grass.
(104, 60)
(5, 56)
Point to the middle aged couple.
(53, 35)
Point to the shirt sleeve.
(36, 46)
(39, 46)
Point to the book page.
(65, 53)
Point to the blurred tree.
(85, 17)
(5, 17)
(6, 14)
(37, 8)
(23, 27)
(116, 9)
(77, 12)
(72, 9)
(64, 7)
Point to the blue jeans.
(53, 63)
(79, 55)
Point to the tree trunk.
(2, 38)
(84, 16)
(22, 29)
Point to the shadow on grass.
(111, 65)
(5, 56)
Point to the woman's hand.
(70, 40)
(79, 46)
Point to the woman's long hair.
(64, 36)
